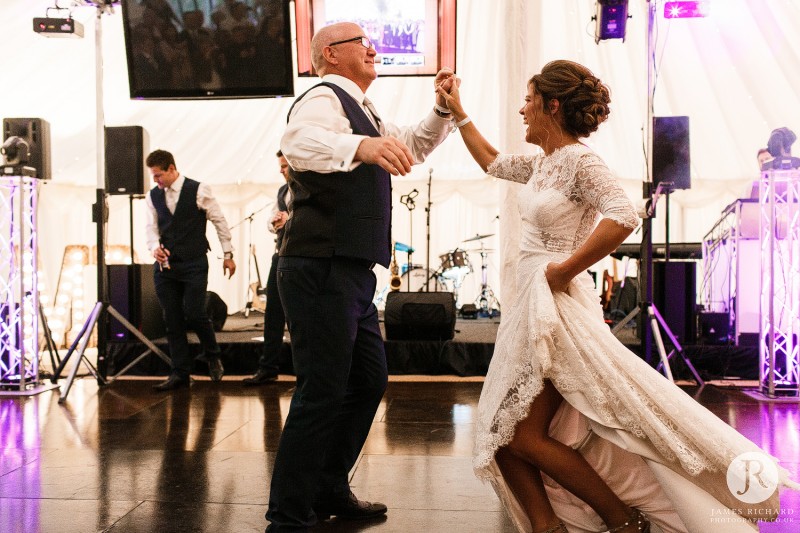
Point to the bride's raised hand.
(448, 90)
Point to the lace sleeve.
(596, 185)
(512, 167)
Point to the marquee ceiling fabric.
(735, 74)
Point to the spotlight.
(15, 151)
(57, 27)
(684, 10)
(611, 17)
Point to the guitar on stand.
(256, 294)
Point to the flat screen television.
(208, 49)
(412, 37)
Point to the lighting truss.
(19, 293)
(780, 282)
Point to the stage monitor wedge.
(420, 316)
(671, 163)
(36, 133)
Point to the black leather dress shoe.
(260, 377)
(172, 383)
(349, 508)
(215, 369)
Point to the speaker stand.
(657, 320)
(82, 340)
(49, 343)
(650, 325)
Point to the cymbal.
(488, 250)
(478, 237)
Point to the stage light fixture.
(683, 10)
(15, 151)
(611, 18)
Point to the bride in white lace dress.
(627, 449)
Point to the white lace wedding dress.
(657, 448)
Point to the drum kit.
(455, 266)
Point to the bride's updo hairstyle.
(583, 97)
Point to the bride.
(628, 449)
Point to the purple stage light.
(611, 18)
(684, 10)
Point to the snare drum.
(455, 264)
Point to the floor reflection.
(19, 446)
(123, 458)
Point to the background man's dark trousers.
(274, 324)
(181, 290)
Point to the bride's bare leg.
(525, 481)
(533, 444)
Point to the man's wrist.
(442, 111)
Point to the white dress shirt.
(319, 137)
(205, 202)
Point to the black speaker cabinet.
(36, 132)
(132, 293)
(671, 152)
(126, 151)
(674, 296)
(714, 328)
(420, 316)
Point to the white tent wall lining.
(734, 74)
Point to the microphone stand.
(250, 216)
(408, 201)
(252, 257)
(428, 232)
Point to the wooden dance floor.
(123, 458)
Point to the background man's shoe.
(260, 377)
(349, 508)
(172, 383)
(215, 369)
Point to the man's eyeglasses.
(364, 41)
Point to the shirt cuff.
(435, 123)
(345, 151)
(442, 111)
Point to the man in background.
(178, 209)
(274, 319)
(779, 146)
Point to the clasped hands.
(279, 220)
(392, 154)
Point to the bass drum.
(414, 280)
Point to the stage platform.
(467, 354)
